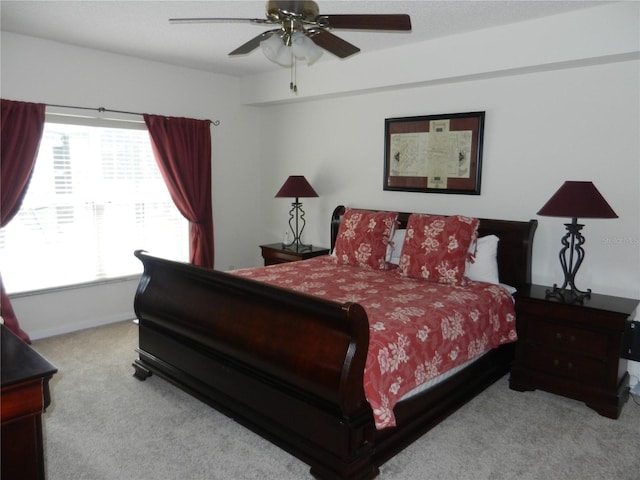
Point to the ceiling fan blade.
(366, 22)
(218, 19)
(253, 43)
(339, 47)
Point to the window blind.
(95, 196)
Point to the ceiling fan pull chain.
(294, 75)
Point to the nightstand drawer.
(571, 339)
(574, 367)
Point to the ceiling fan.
(300, 26)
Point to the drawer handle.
(572, 338)
(556, 363)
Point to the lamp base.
(296, 214)
(297, 247)
(571, 257)
(565, 295)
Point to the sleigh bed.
(291, 366)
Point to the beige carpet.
(104, 424)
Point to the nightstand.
(573, 349)
(276, 253)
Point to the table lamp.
(296, 186)
(573, 200)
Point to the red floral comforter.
(418, 329)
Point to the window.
(95, 196)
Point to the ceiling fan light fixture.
(284, 58)
(304, 48)
(272, 46)
(276, 49)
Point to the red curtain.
(20, 133)
(182, 147)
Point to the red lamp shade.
(296, 186)
(577, 200)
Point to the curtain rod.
(102, 109)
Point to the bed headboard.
(514, 249)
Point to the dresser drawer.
(570, 339)
(23, 399)
(557, 363)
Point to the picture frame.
(434, 153)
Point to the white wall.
(35, 70)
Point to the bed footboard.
(287, 365)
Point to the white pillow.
(485, 264)
(509, 288)
(394, 248)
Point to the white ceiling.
(141, 28)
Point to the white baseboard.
(74, 327)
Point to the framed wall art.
(434, 153)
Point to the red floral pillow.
(363, 237)
(436, 247)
